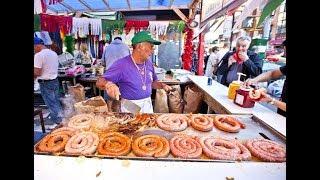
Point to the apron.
(145, 104)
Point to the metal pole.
(231, 36)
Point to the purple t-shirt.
(125, 74)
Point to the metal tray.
(254, 129)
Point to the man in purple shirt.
(133, 76)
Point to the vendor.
(275, 74)
(133, 76)
(84, 56)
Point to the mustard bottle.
(234, 86)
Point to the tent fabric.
(115, 5)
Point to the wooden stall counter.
(59, 167)
(215, 96)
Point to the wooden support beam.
(180, 14)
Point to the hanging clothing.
(52, 23)
(44, 36)
(36, 22)
(37, 9)
(48, 23)
(44, 6)
(91, 46)
(101, 49)
(86, 26)
(96, 27)
(136, 25)
(80, 27)
(65, 24)
(158, 27)
(55, 36)
(108, 26)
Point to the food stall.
(125, 145)
(234, 143)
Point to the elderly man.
(241, 60)
(46, 70)
(133, 76)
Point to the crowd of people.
(131, 75)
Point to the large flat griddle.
(254, 129)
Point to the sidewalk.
(47, 122)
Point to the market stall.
(94, 143)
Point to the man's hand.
(167, 88)
(243, 56)
(249, 82)
(265, 97)
(112, 90)
(37, 72)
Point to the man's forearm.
(157, 85)
(281, 105)
(275, 74)
(263, 77)
(37, 72)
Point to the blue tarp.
(116, 5)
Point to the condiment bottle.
(235, 85)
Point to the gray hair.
(244, 38)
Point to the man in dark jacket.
(241, 60)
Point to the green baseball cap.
(144, 36)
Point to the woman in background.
(84, 56)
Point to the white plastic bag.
(275, 88)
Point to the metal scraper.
(130, 106)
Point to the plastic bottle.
(234, 86)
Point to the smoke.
(68, 102)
